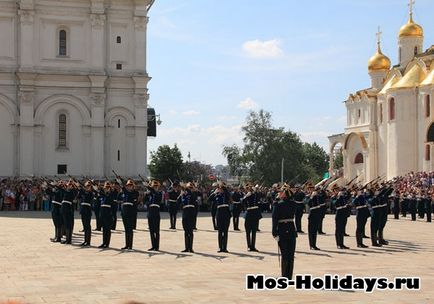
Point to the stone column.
(98, 50)
(141, 130)
(97, 135)
(331, 163)
(140, 25)
(26, 133)
(26, 25)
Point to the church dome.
(379, 62)
(410, 29)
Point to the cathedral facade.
(390, 126)
(73, 87)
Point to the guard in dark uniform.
(428, 206)
(212, 203)
(420, 206)
(115, 206)
(323, 209)
(129, 208)
(86, 199)
(375, 204)
(106, 198)
(313, 219)
(395, 200)
(299, 197)
(188, 213)
(384, 209)
(97, 209)
(172, 204)
(197, 195)
(341, 219)
(413, 207)
(251, 217)
(362, 215)
(222, 200)
(284, 229)
(237, 207)
(69, 194)
(154, 201)
(55, 193)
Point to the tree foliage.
(265, 147)
(166, 163)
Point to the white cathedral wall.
(382, 138)
(7, 140)
(403, 134)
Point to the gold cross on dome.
(412, 2)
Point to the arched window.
(392, 109)
(427, 152)
(430, 135)
(62, 43)
(358, 159)
(400, 54)
(62, 131)
(427, 106)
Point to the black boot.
(127, 240)
(191, 243)
(152, 241)
(130, 246)
(249, 244)
(225, 242)
(285, 269)
(253, 247)
(108, 238)
(157, 241)
(186, 242)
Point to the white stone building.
(73, 87)
(390, 128)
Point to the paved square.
(35, 270)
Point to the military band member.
(313, 219)
(106, 198)
(69, 194)
(284, 229)
(154, 201)
(362, 215)
(212, 203)
(341, 219)
(172, 204)
(129, 209)
(56, 195)
(222, 201)
(299, 197)
(237, 207)
(115, 206)
(252, 216)
(86, 199)
(188, 213)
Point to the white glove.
(146, 184)
(95, 187)
(276, 238)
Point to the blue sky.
(212, 61)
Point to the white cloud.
(172, 112)
(190, 113)
(263, 49)
(248, 104)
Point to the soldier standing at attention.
(211, 201)
(97, 209)
(340, 219)
(237, 195)
(69, 194)
(187, 204)
(106, 198)
(154, 201)
(129, 209)
(115, 206)
(56, 195)
(299, 197)
(172, 204)
(86, 198)
(362, 215)
(222, 199)
(252, 216)
(284, 229)
(313, 219)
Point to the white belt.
(236, 202)
(224, 205)
(374, 207)
(299, 202)
(286, 220)
(251, 208)
(384, 205)
(360, 207)
(322, 205)
(173, 201)
(188, 206)
(106, 206)
(341, 207)
(56, 202)
(154, 205)
(67, 202)
(316, 207)
(128, 203)
(85, 204)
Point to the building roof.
(429, 80)
(411, 79)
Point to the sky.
(212, 62)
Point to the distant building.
(73, 87)
(390, 128)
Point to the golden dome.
(410, 29)
(379, 62)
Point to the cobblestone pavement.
(34, 270)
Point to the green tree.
(338, 160)
(166, 163)
(195, 171)
(316, 158)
